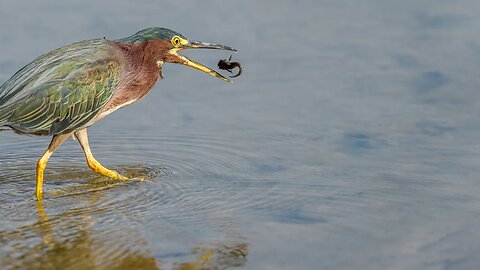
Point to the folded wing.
(62, 90)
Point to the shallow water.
(349, 142)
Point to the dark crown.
(149, 34)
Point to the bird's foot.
(98, 168)
(139, 178)
(118, 176)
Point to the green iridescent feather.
(149, 34)
(62, 90)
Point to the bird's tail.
(3, 122)
(4, 115)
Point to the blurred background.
(349, 142)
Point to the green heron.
(65, 91)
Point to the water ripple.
(193, 180)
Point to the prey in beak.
(181, 44)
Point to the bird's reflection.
(70, 240)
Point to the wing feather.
(62, 90)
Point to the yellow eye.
(176, 41)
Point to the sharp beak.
(180, 59)
(204, 45)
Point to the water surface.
(349, 142)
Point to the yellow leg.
(57, 140)
(82, 137)
(41, 164)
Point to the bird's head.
(171, 43)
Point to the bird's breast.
(133, 85)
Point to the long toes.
(118, 176)
(123, 178)
(139, 178)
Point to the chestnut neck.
(140, 71)
(145, 54)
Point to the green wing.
(62, 90)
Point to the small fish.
(228, 66)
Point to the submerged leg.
(57, 140)
(82, 137)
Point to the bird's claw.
(118, 176)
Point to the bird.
(65, 91)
